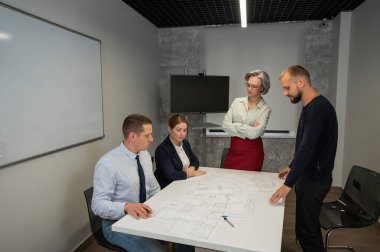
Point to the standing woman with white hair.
(246, 121)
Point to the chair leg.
(327, 246)
(298, 243)
(170, 246)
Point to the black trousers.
(309, 198)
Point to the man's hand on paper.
(284, 173)
(138, 210)
(280, 194)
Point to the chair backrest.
(224, 154)
(363, 187)
(96, 224)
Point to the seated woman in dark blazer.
(174, 158)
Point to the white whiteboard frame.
(71, 118)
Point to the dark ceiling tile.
(180, 13)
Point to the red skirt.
(245, 154)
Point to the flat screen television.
(199, 94)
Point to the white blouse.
(182, 155)
(239, 120)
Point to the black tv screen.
(199, 94)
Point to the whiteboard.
(50, 87)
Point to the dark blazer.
(169, 166)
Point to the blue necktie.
(142, 180)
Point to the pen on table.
(227, 220)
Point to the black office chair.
(224, 154)
(358, 206)
(96, 225)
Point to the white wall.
(362, 138)
(271, 47)
(341, 52)
(42, 202)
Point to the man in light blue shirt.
(117, 184)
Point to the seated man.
(117, 178)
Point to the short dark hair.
(296, 71)
(134, 123)
(177, 119)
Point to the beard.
(296, 98)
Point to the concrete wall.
(179, 54)
(362, 138)
(42, 202)
(278, 152)
(318, 56)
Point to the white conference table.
(190, 212)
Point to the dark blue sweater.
(316, 142)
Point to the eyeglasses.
(251, 86)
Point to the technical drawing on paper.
(207, 199)
(177, 216)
